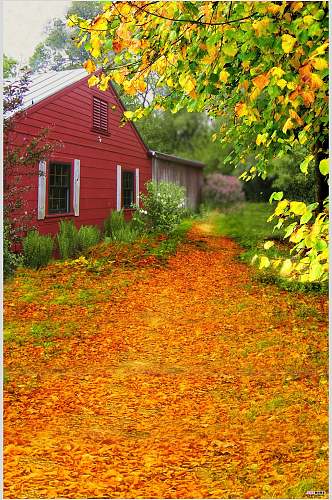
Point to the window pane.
(127, 189)
(59, 188)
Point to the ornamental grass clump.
(68, 241)
(88, 236)
(117, 229)
(114, 224)
(163, 207)
(37, 249)
(222, 190)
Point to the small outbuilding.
(187, 173)
(100, 166)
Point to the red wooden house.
(100, 166)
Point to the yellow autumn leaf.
(280, 208)
(123, 33)
(254, 94)
(296, 6)
(118, 77)
(315, 81)
(273, 9)
(320, 50)
(128, 114)
(104, 82)
(286, 267)
(297, 207)
(246, 65)
(319, 63)
(288, 125)
(223, 77)
(268, 244)
(241, 109)
(100, 24)
(298, 235)
(89, 66)
(124, 8)
(140, 85)
(278, 72)
(308, 20)
(93, 80)
(95, 44)
(308, 97)
(264, 262)
(261, 139)
(281, 83)
(129, 87)
(261, 81)
(261, 26)
(187, 83)
(287, 43)
(291, 85)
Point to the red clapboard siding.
(87, 122)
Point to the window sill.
(56, 216)
(99, 131)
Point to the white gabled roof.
(43, 85)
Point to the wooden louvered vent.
(100, 115)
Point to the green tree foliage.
(10, 66)
(184, 134)
(58, 51)
(262, 63)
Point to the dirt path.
(197, 383)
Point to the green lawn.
(247, 225)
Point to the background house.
(100, 166)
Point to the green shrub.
(88, 236)
(37, 249)
(10, 259)
(163, 206)
(115, 222)
(67, 237)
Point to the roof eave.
(176, 159)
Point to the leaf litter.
(187, 380)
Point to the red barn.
(100, 166)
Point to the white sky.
(24, 22)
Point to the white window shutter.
(76, 197)
(137, 187)
(42, 190)
(118, 187)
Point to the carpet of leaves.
(184, 380)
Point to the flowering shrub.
(163, 207)
(222, 189)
